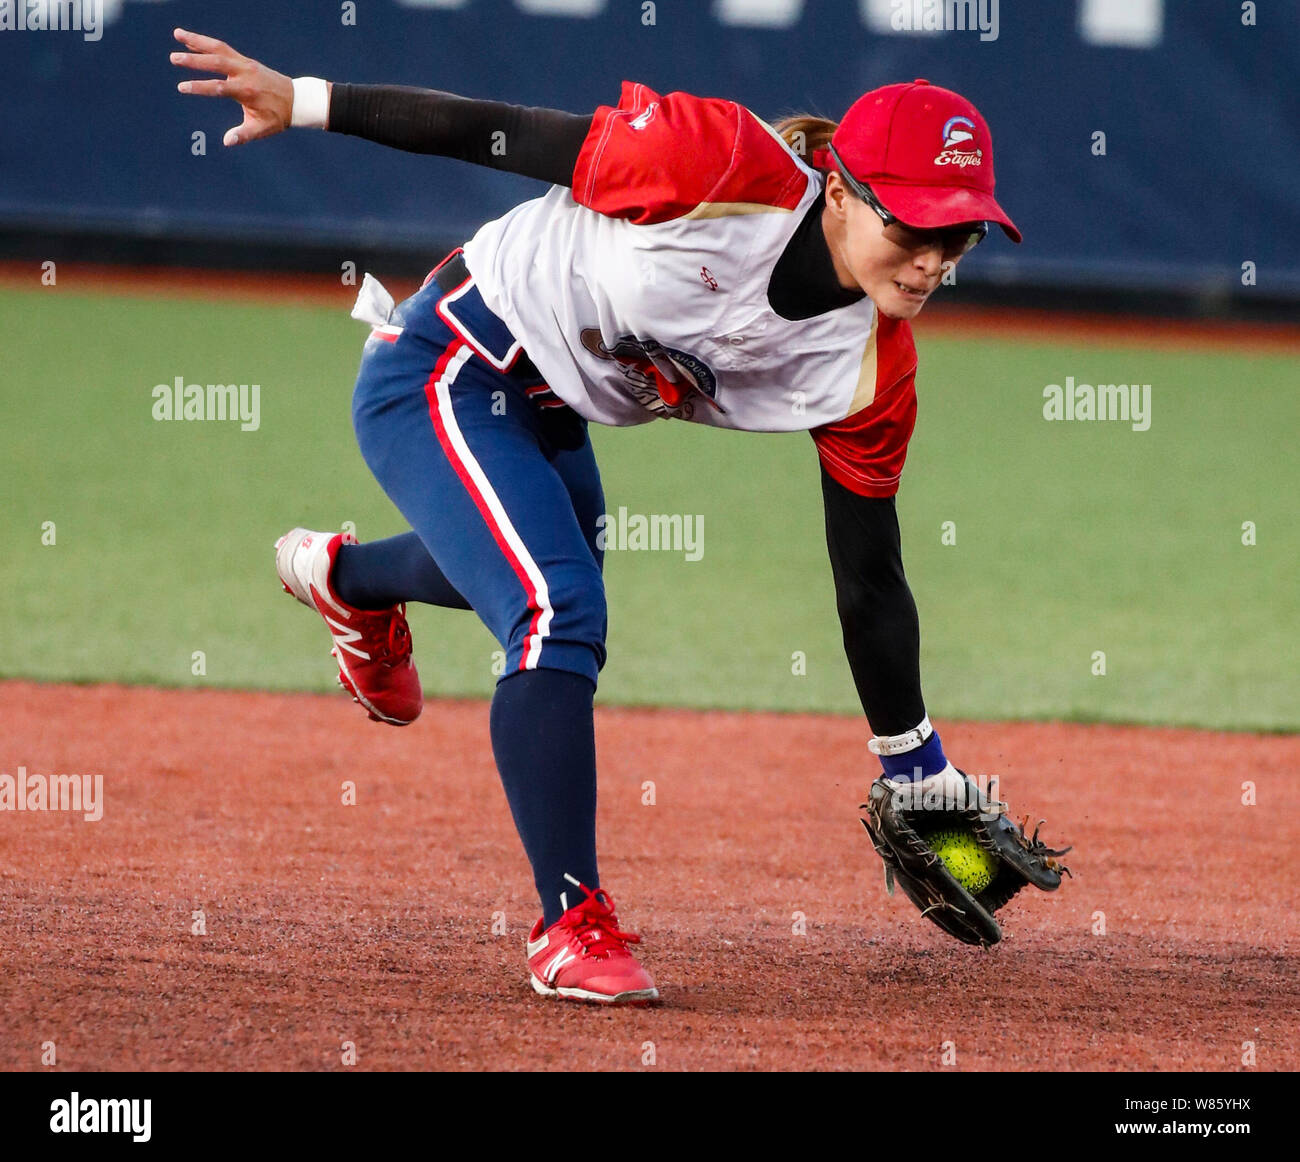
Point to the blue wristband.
(929, 757)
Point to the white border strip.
(533, 645)
(456, 325)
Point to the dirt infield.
(373, 924)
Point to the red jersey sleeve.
(654, 158)
(865, 451)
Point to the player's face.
(898, 267)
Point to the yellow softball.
(968, 863)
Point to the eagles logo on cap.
(959, 147)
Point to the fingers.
(250, 129)
(245, 81)
(205, 88)
(243, 133)
(205, 62)
(200, 43)
(209, 55)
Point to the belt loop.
(428, 278)
(452, 271)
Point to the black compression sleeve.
(538, 143)
(882, 635)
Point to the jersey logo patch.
(663, 380)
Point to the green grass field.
(1071, 538)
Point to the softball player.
(687, 263)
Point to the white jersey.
(642, 291)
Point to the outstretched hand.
(265, 95)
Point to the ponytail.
(805, 134)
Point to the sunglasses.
(954, 240)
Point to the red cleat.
(372, 647)
(584, 957)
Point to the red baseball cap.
(926, 153)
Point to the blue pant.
(495, 475)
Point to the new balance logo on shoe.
(344, 636)
(552, 970)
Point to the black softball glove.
(901, 815)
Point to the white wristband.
(311, 103)
(902, 743)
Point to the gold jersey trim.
(730, 209)
(866, 389)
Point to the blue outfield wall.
(1200, 111)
